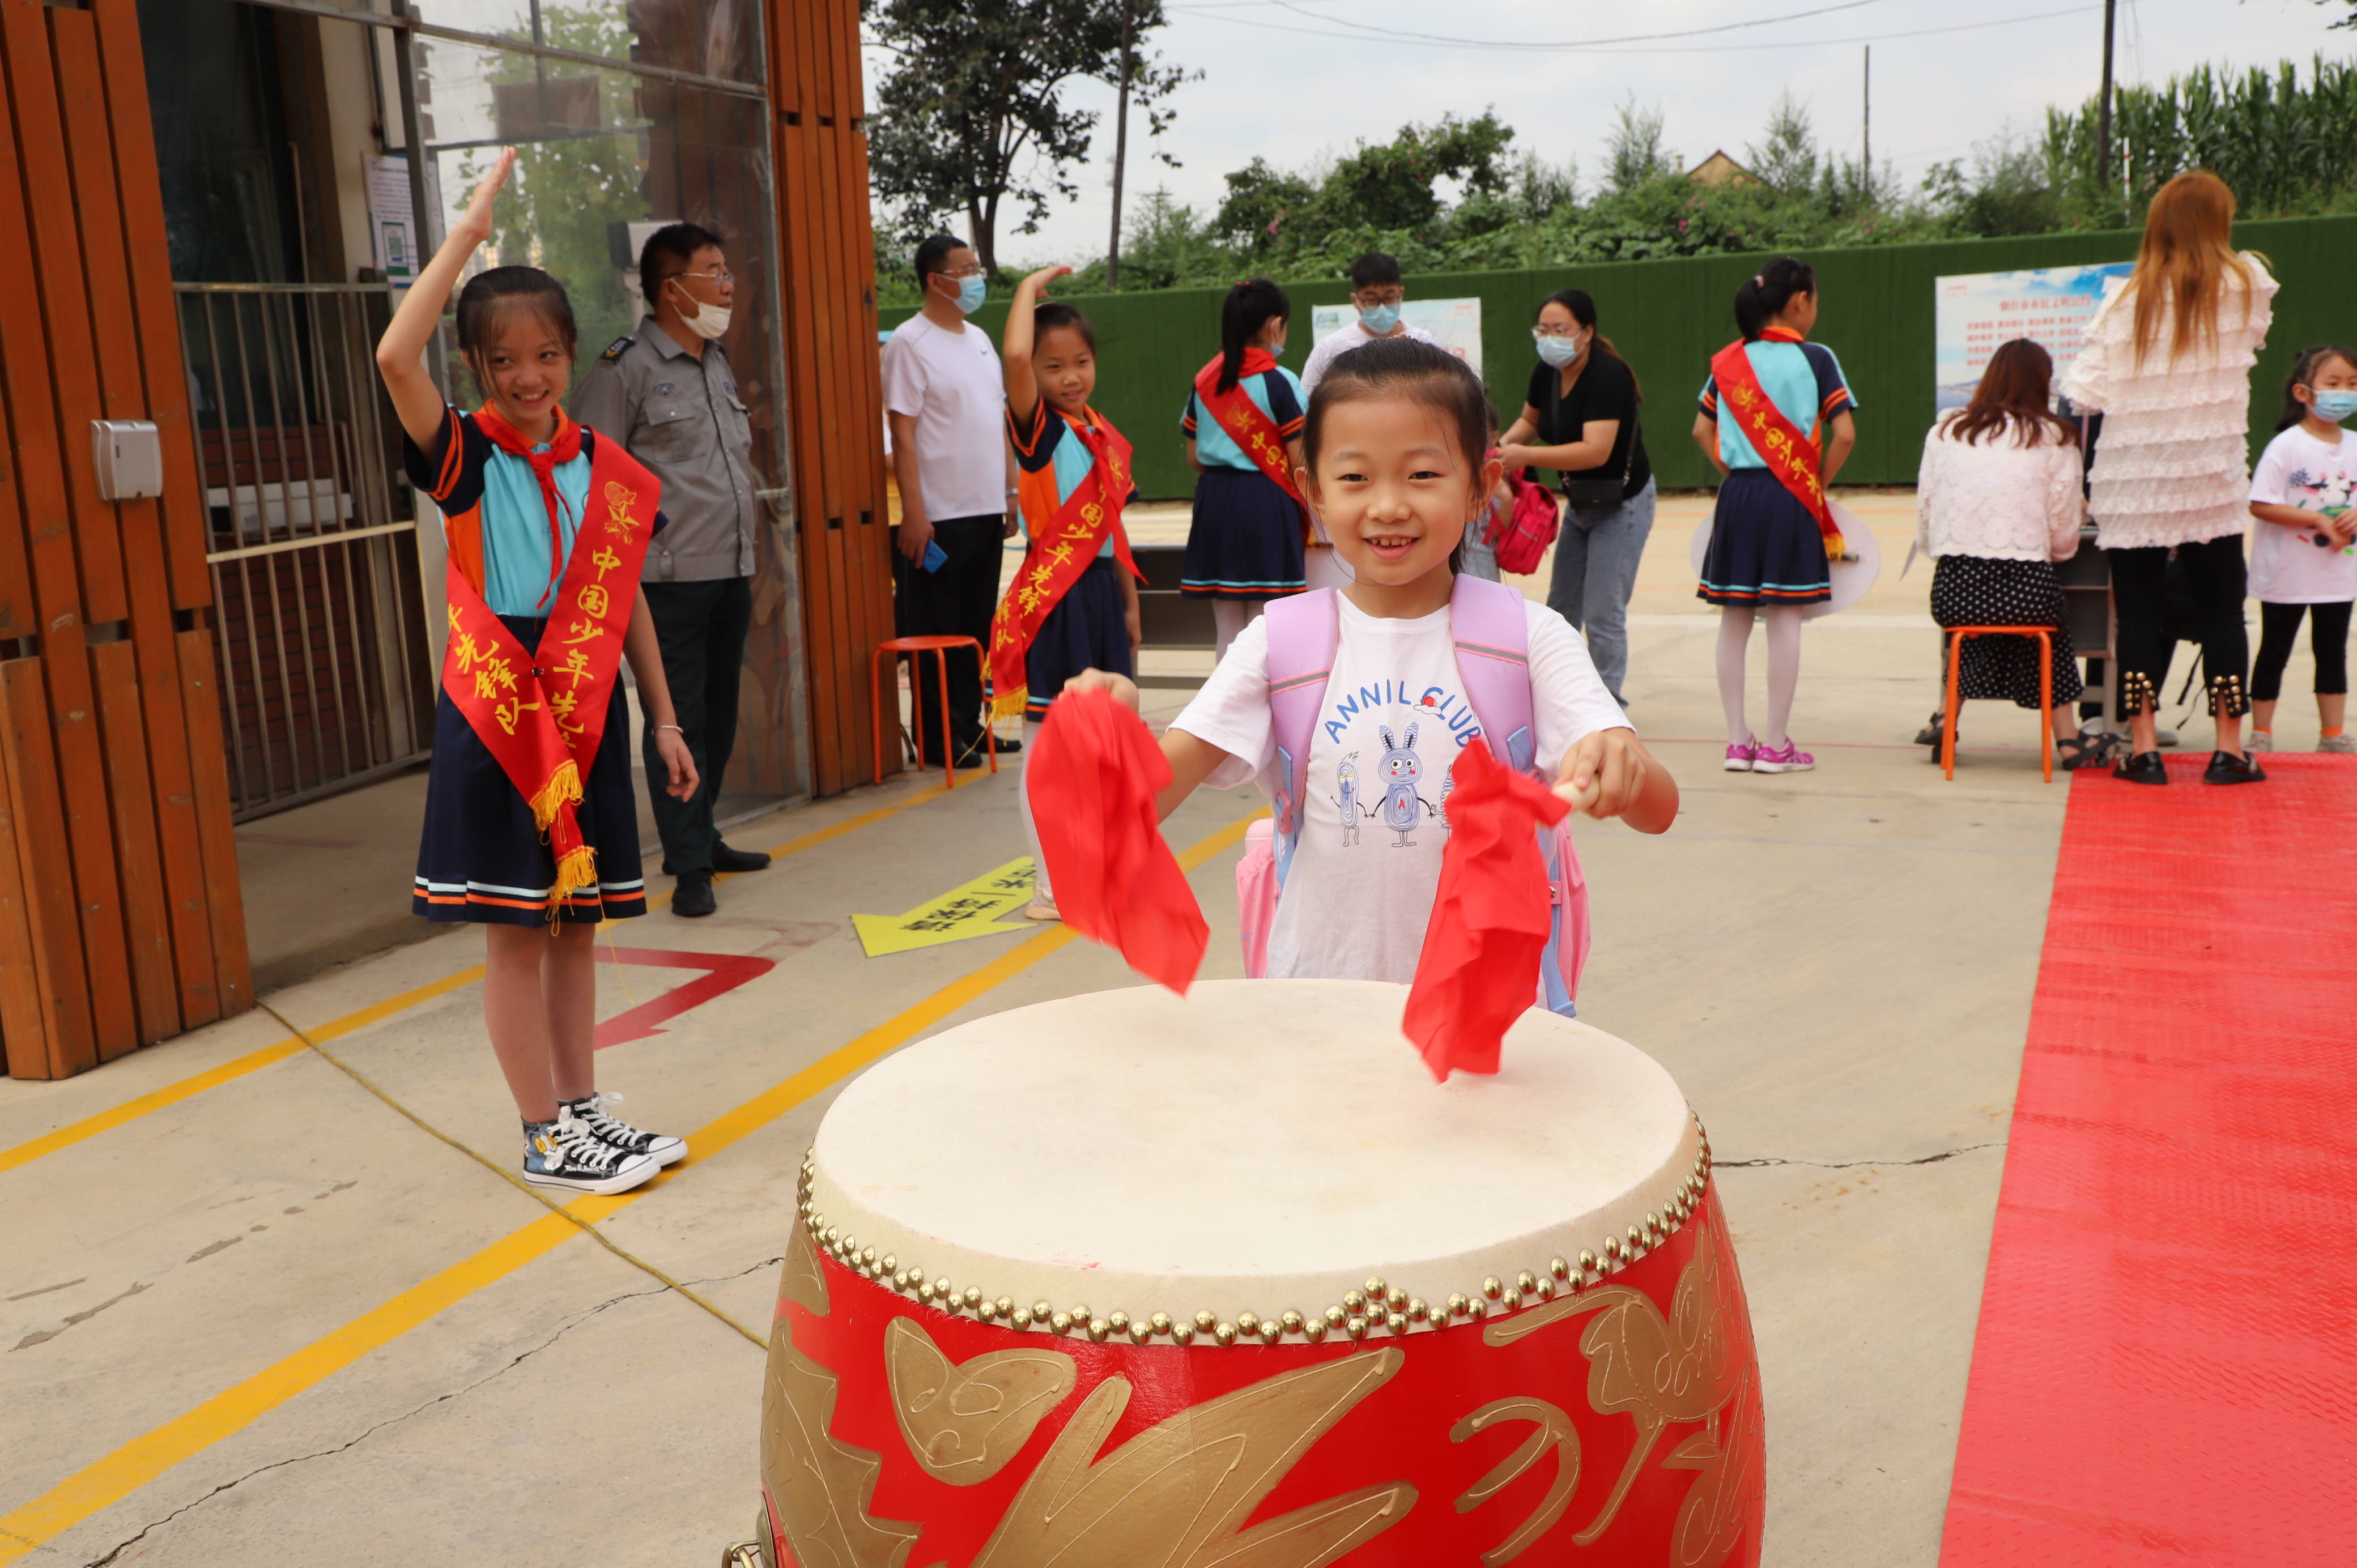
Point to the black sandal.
(2078, 751)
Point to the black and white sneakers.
(568, 1153)
(662, 1147)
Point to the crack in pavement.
(43, 1335)
(563, 1329)
(1853, 1164)
(715, 1279)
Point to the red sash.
(1062, 546)
(1251, 429)
(1791, 455)
(540, 714)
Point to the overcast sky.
(1290, 80)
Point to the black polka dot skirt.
(1975, 590)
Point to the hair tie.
(1759, 280)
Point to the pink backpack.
(1494, 656)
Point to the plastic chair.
(2045, 636)
(915, 648)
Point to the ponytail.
(2303, 374)
(1250, 305)
(1768, 292)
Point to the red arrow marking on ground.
(723, 971)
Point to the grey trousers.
(1595, 558)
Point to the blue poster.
(1978, 311)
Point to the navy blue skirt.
(482, 858)
(1086, 630)
(1765, 548)
(1245, 541)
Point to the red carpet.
(2166, 1369)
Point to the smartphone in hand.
(934, 555)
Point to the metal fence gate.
(318, 612)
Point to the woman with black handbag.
(1580, 419)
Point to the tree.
(1786, 157)
(974, 113)
(1632, 151)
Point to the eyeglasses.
(1379, 297)
(1554, 331)
(973, 271)
(718, 274)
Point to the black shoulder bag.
(1591, 492)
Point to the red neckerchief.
(562, 447)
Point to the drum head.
(1259, 1145)
(1851, 577)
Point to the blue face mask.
(972, 291)
(1560, 351)
(2333, 407)
(1379, 320)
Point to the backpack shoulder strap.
(1487, 622)
(1304, 631)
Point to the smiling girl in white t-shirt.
(2307, 563)
(1395, 460)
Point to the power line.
(1485, 45)
(1369, 27)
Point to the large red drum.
(1124, 1280)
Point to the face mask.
(706, 321)
(1379, 320)
(1561, 351)
(2333, 407)
(972, 291)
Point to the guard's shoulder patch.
(615, 349)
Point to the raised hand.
(477, 223)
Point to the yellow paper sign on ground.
(969, 909)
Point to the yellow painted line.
(108, 1480)
(172, 1094)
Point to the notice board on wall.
(1976, 312)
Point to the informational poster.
(1457, 323)
(393, 223)
(1977, 311)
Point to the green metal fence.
(1669, 317)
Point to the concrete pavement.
(288, 1319)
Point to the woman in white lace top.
(2166, 362)
(1997, 504)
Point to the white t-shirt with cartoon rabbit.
(1359, 892)
(2298, 565)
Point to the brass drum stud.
(1586, 1263)
(1020, 1317)
(1139, 1333)
(1159, 1323)
(1477, 1308)
(900, 1279)
(1546, 1288)
(1183, 1332)
(1491, 1288)
(889, 1264)
(1315, 1329)
(1526, 1282)
(1395, 1298)
(1118, 1321)
(1271, 1330)
(1375, 1286)
(972, 1295)
(1060, 1322)
(1356, 1328)
(1455, 1304)
(1291, 1321)
(1040, 1310)
(1098, 1329)
(1396, 1322)
(1559, 1268)
(1354, 1301)
(924, 1293)
(1226, 1333)
(1335, 1316)
(1203, 1321)
(1417, 1309)
(1247, 1323)
(1082, 1315)
(1511, 1300)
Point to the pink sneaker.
(1790, 759)
(1740, 758)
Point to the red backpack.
(1521, 543)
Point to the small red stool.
(915, 648)
(2045, 636)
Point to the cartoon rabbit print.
(1346, 780)
(1401, 770)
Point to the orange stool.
(915, 648)
(2045, 636)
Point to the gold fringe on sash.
(1007, 705)
(564, 786)
(575, 869)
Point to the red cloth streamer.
(563, 447)
(1480, 968)
(1093, 777)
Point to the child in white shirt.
(1395, 459)
(2306, 564)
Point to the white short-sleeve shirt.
(2289, 566)
(950, 383)
(1342, 341)
(1359, 892)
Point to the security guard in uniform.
(668, 394)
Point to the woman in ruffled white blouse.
(1997, 504)
(2166, 360)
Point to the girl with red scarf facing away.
(531, 825)
(1073, 603)
(1243, 427)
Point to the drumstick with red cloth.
(1093, 776)
(1479, 967)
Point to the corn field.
(2287, 147)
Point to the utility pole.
(1866, 130)
(1120, 146)
(2104, 101)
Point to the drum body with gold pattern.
(1123, 1280)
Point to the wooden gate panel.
(225, 906)
(72, 1043)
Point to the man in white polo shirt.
(946, 401)
(1377, 292)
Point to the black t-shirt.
(1606, 390)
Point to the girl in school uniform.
(530, 824)
(2304, 562)
(1396, 458)
(1771, 531)
(1073, 603)
(1243, 427)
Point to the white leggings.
(1783, 669)
(1230, 616)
